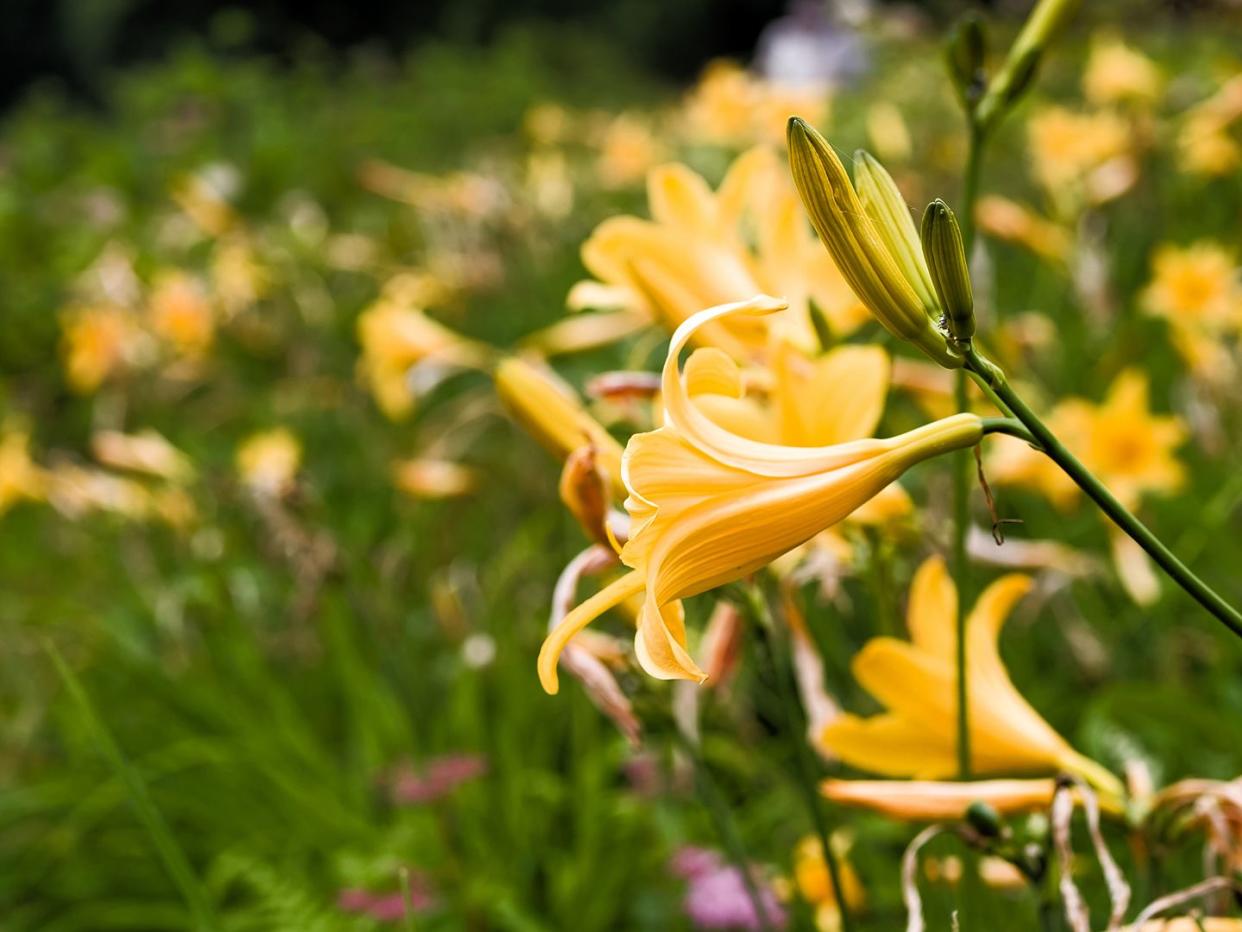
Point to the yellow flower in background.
(934, 801)
(1009, 220)
(709, 507)
(98, 341)
(627, 150)
(917, 735)
(814, 883)
(1207, 142)
(1127, 447)
(1081, 157)
(1117, 73)
(1196, 288)
(396, 337)
(268, 461)
(20, 478)
(703, 248)
(146, 452)
(730, 106)
(76, 492)
(429, 478)
(552, 413)
(888, 133)
(181, 314)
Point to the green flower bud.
(876, 254)
(946, 259)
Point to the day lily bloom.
(97, 342)
(917, 736)
(1206, 142)
(699, 250)
(710, 507)
(935, 801)
(181, 314)
(20, 478)
(1198, 290)
(268, 461)
(1081, 158)
(867, 227)
(815, 883)
(431, 478)
(1117, 73)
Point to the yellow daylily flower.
(628, 148)
(147, 452)
(1197, 288)
(181, 314)
(1126, 446)
(1081, 157)
(697, 251)
(268, 461)
(1009, 220)
(1117, 73)
(396, 336)
(1206, 144)
(815, 883)
(20, 478)
(730, 106)
(427, 477)
(867, 228)
(709, 507)
(935, 801)
(98, 341)
(917, 736)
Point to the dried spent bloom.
(268, 461)
(917, 736)
(709, 507)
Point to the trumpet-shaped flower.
(917, 736)
(709, 507)
(696, 252)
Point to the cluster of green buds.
(918, 288)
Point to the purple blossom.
(435, 779)
(716, 895)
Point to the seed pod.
(946, 259)
(983, 819)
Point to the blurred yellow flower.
(704, 248)
(1117, 73)
(181, 313)
(76, 491)
(1206, 144)
(1009, 220)
(146, 452)
(917, 736)
(268, 461)
(888, 133)
(238, 278)
(815, 883)
(396, 336)
(429, 478)
(627, 150)
(934, 801)
(97, 341)
(1081, 157)
(709, 507)
(730, 106)
(1126, 446)
(20, 478)
(1197, 287)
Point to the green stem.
(1008, 425)
(962, 464)
(1121, 516)
(782, 670)
(726, 831)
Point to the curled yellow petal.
(608, 597)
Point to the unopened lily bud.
(983, 818)
(946, 258)
(965, 54)
(1016, 75)
(871, 247)
(549, 411)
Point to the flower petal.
(932, 615)
(608, 597)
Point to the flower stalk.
(988, 374)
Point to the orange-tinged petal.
(933, 610)
(931, 801)
(608, 597)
